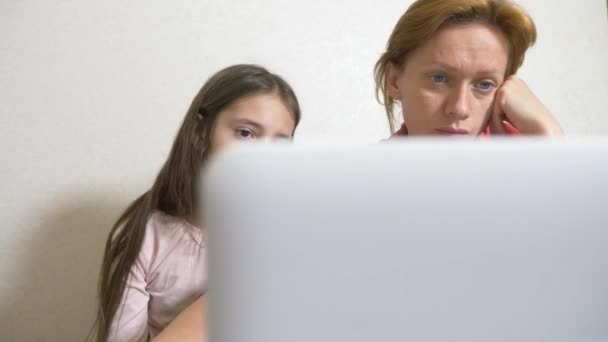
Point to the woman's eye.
(244, 134)
(437, 78)
(485, 85)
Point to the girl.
(154, 263)
(451, 66)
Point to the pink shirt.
(169, 273)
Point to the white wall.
(91, 93)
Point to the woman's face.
(447, 85)
(259, 117)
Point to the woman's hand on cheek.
(516, 103)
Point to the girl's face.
(259, 117)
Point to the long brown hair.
(425, 17)
(174, 190)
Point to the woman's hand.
(516, 103)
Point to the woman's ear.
(392, 81)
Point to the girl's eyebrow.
(250, 123)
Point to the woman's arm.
(515, 101)
(189, 326)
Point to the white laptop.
(420, 240)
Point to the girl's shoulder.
(164, 226)
(166, 234)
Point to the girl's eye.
(245, 134)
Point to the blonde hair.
(425, 17)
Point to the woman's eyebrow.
(451, 68)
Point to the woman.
(451, 66)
